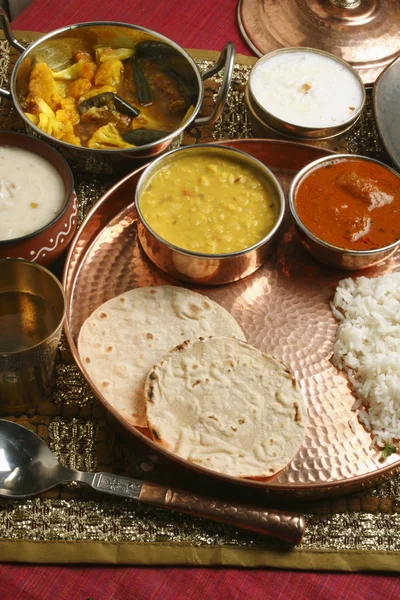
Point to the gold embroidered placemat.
(72, 524)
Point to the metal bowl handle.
(227, 60)
(11, 39)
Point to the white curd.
(306, 88)
(31, 192)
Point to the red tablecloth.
(117, 583)
(207, 24)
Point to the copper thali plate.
(283, 309)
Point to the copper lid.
(364, 33)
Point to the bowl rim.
(306, 128)
(217, 149)
(304, 172)
(67, 197)
(104, 151)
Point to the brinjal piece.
(124, 107)
(95, 101)
(143, 89)
(142, 136)
(108, 98)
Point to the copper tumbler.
(32, 311)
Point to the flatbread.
(125, 336)
(225, 405)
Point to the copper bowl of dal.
(198, 267)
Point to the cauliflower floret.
(61, 87)
(71, 138)
(143, 120)
(45, 108)
(42, 85)
(107, 137)
(80, 55)
(107, 53)
(60, 124)
(33, 118)
(68, 102)
(78, 87)
(50, 125)
(83, 68)
(67, 116)
(109, 73)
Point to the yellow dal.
(210, 205)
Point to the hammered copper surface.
(283, 309)
(366, 34)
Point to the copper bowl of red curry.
(347, 210)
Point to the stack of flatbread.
(175, 361)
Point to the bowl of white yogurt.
(304, 93)
(37, 200)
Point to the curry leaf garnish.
(387, 450)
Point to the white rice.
(352, 426)
(367, 347)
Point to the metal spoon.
(28, 467)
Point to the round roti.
(223, 404)
(124, 337)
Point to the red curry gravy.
(351, 203)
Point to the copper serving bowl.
(56, 49)
(46, 244)
(325, 252)
(198, 268)
(269, 125)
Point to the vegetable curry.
(112, 98)
(350, 203)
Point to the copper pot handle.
(11, 39)
(227, 60)
(283, 526)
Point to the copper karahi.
(283, 309)
(56, 48)
(364, 33)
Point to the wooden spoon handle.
(284, 526)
